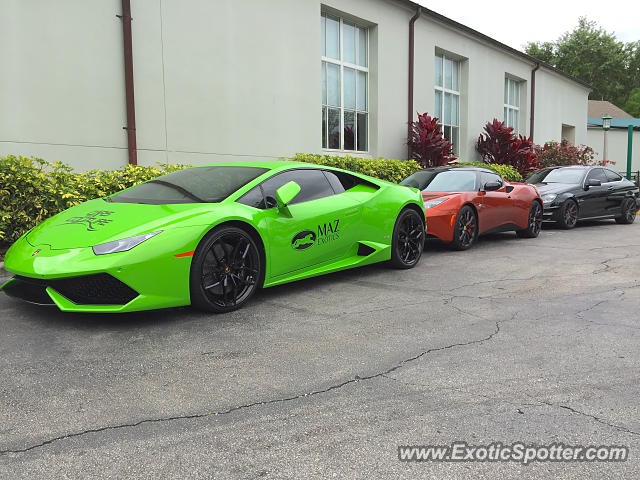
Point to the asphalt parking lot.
(515, 340)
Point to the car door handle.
(610, 189)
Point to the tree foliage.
(595, 56)
(632, 107)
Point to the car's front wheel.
(225, 271)
(408, 239)
(535, 222)
(629, 212)
(465, 230)
(568, 214)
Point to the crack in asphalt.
(386, 374)
(605, 264)
(337, 386)
(594, 417)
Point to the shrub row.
(395, 170)
(32, 189)
(389, 170)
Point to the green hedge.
(394, 170)
(32, 189)
(389, 170)
(509, 173)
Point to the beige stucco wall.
(483, 70)
(62, 81)
(559, 101)
(220, 80)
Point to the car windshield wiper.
(178, 188)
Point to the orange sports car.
(462, 203)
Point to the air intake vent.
(99, 289)
(365, 250)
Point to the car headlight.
(122, 245)
(434, 203)
(549, 198)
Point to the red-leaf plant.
(498, 144)
(427, 144)
(565, 153)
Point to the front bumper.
(440, 224)
(150, 276)
(550, 213)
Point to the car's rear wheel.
(629, 212)
(568, 214)
(535, 222)
(465, 231)
(225, 271)
(408, 239)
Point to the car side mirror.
(492, 186)
(593, 183)
(286, 193)
(510, 188)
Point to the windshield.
(192, 185)
(453, 181)
(420, 179)
(571, 176)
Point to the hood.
(98, 221)
(545, 188)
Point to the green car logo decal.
(91, 220)
(303, 240)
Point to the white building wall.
(559, 101)
(62, 82)
(483, 71)
(220, 80)
(616, 147)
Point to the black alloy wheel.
(226, 270)
(568, 214)
(408, 239)
(535, 222)
(629, 212)
(465, 232)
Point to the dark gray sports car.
(575, 193)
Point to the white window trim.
(508, 106)
(443, 89)
(360, 68)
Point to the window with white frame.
(447, 98)
(345, 85)
(512, 103)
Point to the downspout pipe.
(128, 82)
(411, 70)
(533, 101)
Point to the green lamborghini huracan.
(210, 236)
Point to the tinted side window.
(612, 176)
(313, 185)
(253, 198)
(597, 174)
(335, 182)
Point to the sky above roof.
(516, 23)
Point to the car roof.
(453, 167)
(574, 167)
(268, 164)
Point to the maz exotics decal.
(91, 220)
(326, 233)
